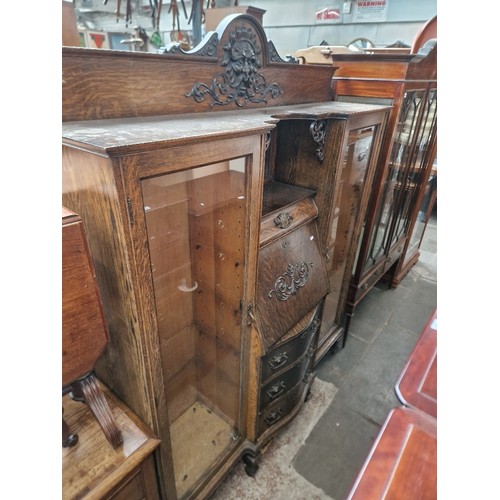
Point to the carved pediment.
(242, 49)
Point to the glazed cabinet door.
(197, 226)
(409, 161)
(344, 229)
(421, 183)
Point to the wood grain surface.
(403, 460)
(92, 469)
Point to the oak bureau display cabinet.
(388, 247)
(334, 153)
(213, 273)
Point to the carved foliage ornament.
(240, 81)
(318, 132)
(289, 283)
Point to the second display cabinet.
(391, 230)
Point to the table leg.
(87, 390)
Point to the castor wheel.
(68, 439)
(251, 465)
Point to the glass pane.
(346, 210)
(419, 166)
(412, 154)
(196, 229)
(422, 217)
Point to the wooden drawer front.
(278, 223)
(279, 359)
(140, 485)
(394, 255)
(280, 385)
(292, 280)
(368, 282)
(280, 409)
(131, 490)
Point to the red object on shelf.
(98, 39)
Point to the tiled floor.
(361, 378)
(383, 331)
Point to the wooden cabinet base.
(92, 469)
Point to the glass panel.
(422, 216)
(196, 231)
(346, 210)
(421, 161)
(413, 156)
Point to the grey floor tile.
(334, 368)
(416, 307)
(369, 318)
(369, 389)
(335, 450)
(429, 243)
(375, 311)
(427, 265)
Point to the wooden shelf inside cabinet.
(93, 470)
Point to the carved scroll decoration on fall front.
(240, 82)
(291, 281)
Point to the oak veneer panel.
(90, 188)
(403, 460)
(293, 258)
(92, 469)
(108, 84)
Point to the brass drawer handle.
(273, 417)
(278, 361)
(283, 220)
(276, 390)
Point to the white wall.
(291, 25)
